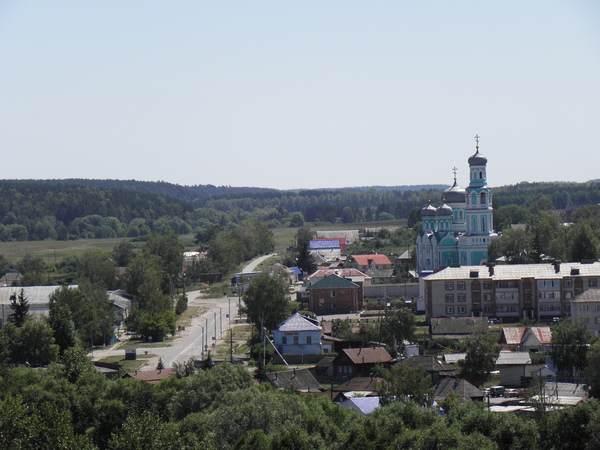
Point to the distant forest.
(77, 208)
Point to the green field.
(55, 251)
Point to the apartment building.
(512, 292)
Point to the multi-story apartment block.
(511, 292)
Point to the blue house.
(298, 335)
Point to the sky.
(299, 94)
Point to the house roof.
(404, 255)
(363, 384)
(324, 244)
(152, 376)
(429, 364)
(518, 271)
(345, 273)
(515, 335)
(461, 387)
(35, 294)
(333, 281)
(453, 358)
(455, 325)
(565, 389)
(367, 355)
(365, 405)
(365, 260)
(506, 358)
(299, 379)
(591, 295)
(298, 322)
(326, 326)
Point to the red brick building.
(335, 295)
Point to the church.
(460, 230)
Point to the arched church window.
(483, 224)
(474, 224)
(481, 175)
(483, 198)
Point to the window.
(568, 295)
(548, 283)
(284, 340)
(506, 284)
(487, 297)
(487, 309)
(449, 298)
(593, 282)
(332, 305)
(461, 310)
(449, 309)
(332, 293)
(461, 285)
(449, 286)
(487, 284)
(295, 340)
(567, 283)
(461, 297)
(309, 340)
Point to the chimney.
(491, 268)
(556, 266)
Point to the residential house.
(301, 380)
(433, 367)
(328, 249)
(335, 295)
(347, 236)
(38, 298)
(10, 279)
(464, 390)
(455, 327)
(283, 272)
(586, 307)
(514, 368)
(353, 275)
(526, 338)
(298, 335)
(378, 267)
(510, 292)
(352, 362)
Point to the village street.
(209, 328)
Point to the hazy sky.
(304, 94)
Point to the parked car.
(493, 321)
(497, 391)
(486, 392)
(512, 393)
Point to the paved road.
(206, 330)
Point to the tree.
(591, 372)
(32, 268)
(20, 307)
(403, 384)
(97, 268)
(143, 281)
(33, 343)
(305, 259)
(481, 353)
(61, 321)
(181, 305)
(584, 244)
(569, 346)
(170, 253)
(122, 254)
(266, 301)
(398, 326)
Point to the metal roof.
(591, 295)
(298, 322)
(513, 358)
(333, 281)
(517, 271)
(367, 355)
(35, 294)
(365, 260)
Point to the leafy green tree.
(591, 372)
(32, 268)
(144, 431)
(181, 305)
(403, 384)
(584, 244)
(481, 352)
(61, 321)
(4, 266)
(569, 346)
(185, 369)
(123, 253)
(398, 326)
(143, 281)
(514, 244)
(33, 343)
(96, 267)
(20, 307)
(152, 325)
(169, 251)
(266, 301)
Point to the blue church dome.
(454, 194)
(428, 211)
(444, 210)
(477, 159)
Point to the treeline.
(561, 194)
(70, 405)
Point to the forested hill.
(560, 193)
